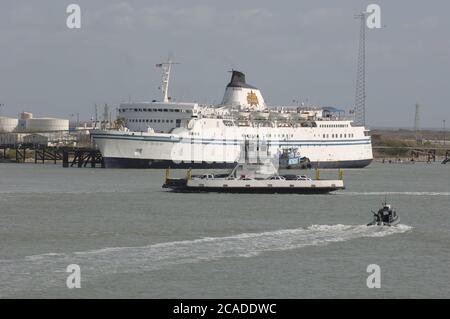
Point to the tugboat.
(290, 158)
(386, 216)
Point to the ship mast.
(166, 67)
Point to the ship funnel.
(240, 94)
(238, 80)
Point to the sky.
(291, 50)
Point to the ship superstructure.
(176, 134)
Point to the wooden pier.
(66, 156)
(83, 158)
(447, 158)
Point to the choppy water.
(133, 239)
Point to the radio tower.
(360, 96)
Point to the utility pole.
(360, 95)
(443, 126)
(96, 116)
(417, 124)
(105, 116)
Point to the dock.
(41, 154)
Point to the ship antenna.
(166, 67)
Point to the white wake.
(44, 271)
(395, 193)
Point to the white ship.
(191, 135)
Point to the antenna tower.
(360, 96)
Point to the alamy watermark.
(73, 20)
(74, 279)
(374, 279)
(373, 20)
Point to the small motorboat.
(386, 216)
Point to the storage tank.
(26, 115)
(8, 124)
(46, 124)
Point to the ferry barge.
(247, 178)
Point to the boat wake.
(46, 271)
(395, 193)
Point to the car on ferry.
(276, 178)
(303, 178)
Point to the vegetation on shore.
(400, 143)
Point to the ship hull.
(246, 190)
(159, 150)
(116, 162)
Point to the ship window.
(177, 110)
(135, 110)
(159, 121)
(171, 121)
(149, 110)
(159, 110)
(165, 110)
(170, 110)
(345, 135)
(340, 135)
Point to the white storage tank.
(25, 115)
(46, 124)
(8, 124)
